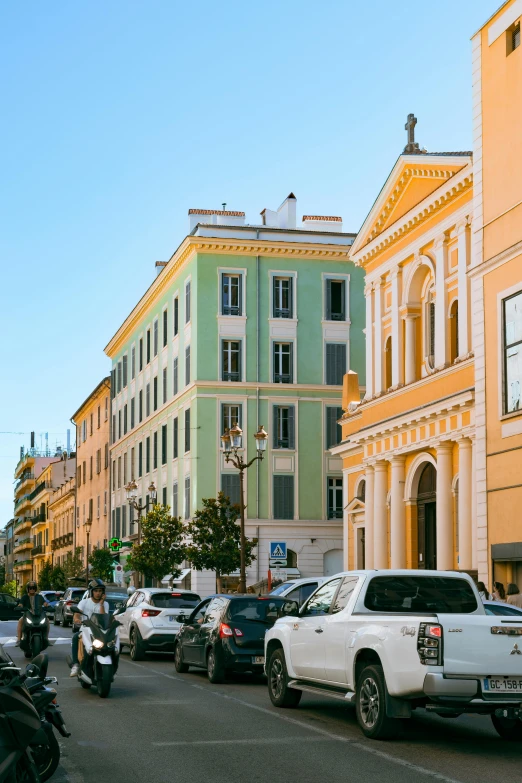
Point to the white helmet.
(131, 590)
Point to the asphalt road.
(163, 727)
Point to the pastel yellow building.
(92, 423)
(62, 511)
(496, 290)
(407, 448)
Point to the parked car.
(226, 633)
(299, 589)
(393, 641)
(52, 597)
(152, 618)
(8, 607)
(498, 608)
(63, 614)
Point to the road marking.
(324, 732)
(165, 703)
(257, 741)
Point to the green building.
(249, 323)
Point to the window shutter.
(343, 300)
(240, 294)
(175, 512)
(118, 521)
(123, 521)
(125, 371)
(291, 362)
(291, 427)
(175, 373)
(187, 365)
(291, 297)
(175, 437)
(275, 436)
(283, 497)
(328, 300)
(231, 487)
(340, 364)
(187, 430)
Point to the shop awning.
(179, 579)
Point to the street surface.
(163, 727)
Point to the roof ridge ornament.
(412, 147)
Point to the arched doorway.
(427, 517)
(332, 562)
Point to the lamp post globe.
(236, 437)
(153, 492)
(261, 437)
(225, 441)
(131, 490)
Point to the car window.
(214, 610)
(320, 602)
(501, 609)
(10, 600)
(197, 617)
(261, 610)
(305, 591)
(420, 594)
(174, 600)
(280, 588)
(140, 597)
(345, 593)
(293, 595)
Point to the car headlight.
(98, 644)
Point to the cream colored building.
(42, 530)
(62, 512)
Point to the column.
(397, 363)
(378, 337)
(398, 514)
(346, 522)
(368, 518)
(463, 257)
(369, 342)
(410, 354)
(380, 516)
(473, 507)
(441, 251)
(444, 507)
(464, 505)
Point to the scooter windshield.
(103, 621)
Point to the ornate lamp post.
(88, 525)
(132, 497)
(232, 442)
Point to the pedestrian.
(498, 594)
(514, 596)
(481, 587)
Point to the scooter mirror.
(31, 670)
(41, 662)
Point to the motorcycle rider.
(33, 602)
(95, 604)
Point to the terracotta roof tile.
(215, 212)
(323, 217)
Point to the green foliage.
(9, 588)
(2, 575)
(216, 538)
(162, 548)
(44, 577)
(58, 578)
(102, 564)
(74, 565)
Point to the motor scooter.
(35, 633)
(98, 652)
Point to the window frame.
(277, 408)
(328, 278)
(337, 511)
(222, 353)
(231, 274)
(292, 362)
(505, 347)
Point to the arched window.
(361, 490)
(454, 330)
(388, 368)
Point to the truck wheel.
(178, 660)
(280, 694)
(370, 705)
(508, 728)
(215, 670)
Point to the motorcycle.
(46, 756)
(35, 633)
(98, 652)
(20, 725)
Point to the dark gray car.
(62, 614)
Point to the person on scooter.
(32, 602)
(95, 604)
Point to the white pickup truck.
(393, 641)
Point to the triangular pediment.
(355, 505)
(413, 179)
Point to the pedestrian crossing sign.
(278, 550)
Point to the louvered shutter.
(290, 297)
(291, 427)
(230, 487)
(283, 497)
(123, 521)
(240, 295)
(275, 428)
(118, 521)
(328, 300)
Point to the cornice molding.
(453, 188)
(192, 245)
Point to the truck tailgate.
(481, 644)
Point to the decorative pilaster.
(464, 505)
(368, 292)
(441, 257)
(380, 516)
(378, 386)
(397, 361)
(410, 345)
(398, 514)
(368, 517)
(463, 242)
(444, 507)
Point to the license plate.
(502, 684)
(258, 659)
(172, 618)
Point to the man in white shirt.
(95, 604)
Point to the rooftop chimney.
(159, 266)
(285, 217)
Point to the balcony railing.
(38, 550)
(65, 540)
(23, 564)
(38, 518)
(24, 477)
(335, 513)
(23, 521)
(24, 499)
(36, 491)
(283, 378)
(232, 376)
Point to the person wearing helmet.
(131, 590)
(94, 604)
(33, 602)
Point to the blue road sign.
(278, 550)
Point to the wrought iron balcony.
(38, 518)
(39, 488)
(283, 378)
(232, 376)
(22, 522)
(23, 564)
(38, 550)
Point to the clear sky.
(119, 116)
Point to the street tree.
(58, 578)
(2, 574)
(216, 538)
(9, 588)
(102, 564)
(44, 577)
(162, 546)
(74, 565)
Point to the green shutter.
(291, 427)
(230, 487)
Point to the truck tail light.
(429, 644)
(225, 630)
(150, 612)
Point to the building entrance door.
(427, 518)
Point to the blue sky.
(120, 116)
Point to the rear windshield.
(281, 588)
(76, 595)
(420, 594)
(256, 610)
(174, 600)
(50, 597)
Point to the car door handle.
(319, 630)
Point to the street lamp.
(132, 497)
(232, 442)
(88, 525)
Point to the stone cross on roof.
(412, 146)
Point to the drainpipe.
(258, 302)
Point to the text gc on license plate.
(503, 684)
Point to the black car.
(8, 607)
(226, 633)
(62, 612)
